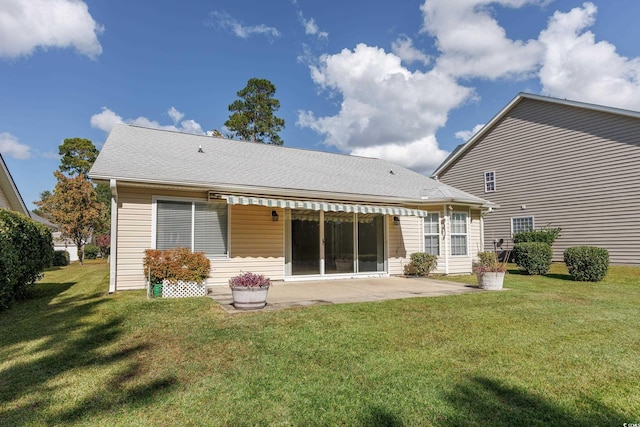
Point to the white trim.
(113, 251)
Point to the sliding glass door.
(320, 243)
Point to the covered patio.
(301, 294)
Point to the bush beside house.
(533, 257)
(61, 258)
(421, 264)
(587, 263)
(26, 249)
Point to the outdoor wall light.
(396, 220)
(274, 216)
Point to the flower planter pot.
(184, 289)
(490, 280)
(249, 298)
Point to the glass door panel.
(305, 242)
(338, 243)
(370, 243)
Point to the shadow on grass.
(55, 344)
(484, 401)
(559, 276)
(380, 417)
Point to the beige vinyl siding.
(4, 203)
(404, 239)
(565, 166)
(256, 242)
(256, 245)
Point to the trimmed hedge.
(61, 258)
(91, 251)
(546, 235)
(421, 264)
(587, 263)
(26, 249)
(533, 257)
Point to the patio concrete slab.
(300, 294)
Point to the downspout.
(447, 239)
(113, 259)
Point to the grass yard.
(547, 352)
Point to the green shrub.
(33, 247)
(533, 257)
(60, 258)
(587, 263)
(8, 272)
(545, 235)
(91, 251)
(421, 264)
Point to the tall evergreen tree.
(253, 116)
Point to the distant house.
(290, 214)
(9, 196)
(557, 163)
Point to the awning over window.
(324, 206)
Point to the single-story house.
(10, 197)
(550, 162)
(287, 213)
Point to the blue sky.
(406, 81)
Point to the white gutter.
(113, 257)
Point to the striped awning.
(323, 206)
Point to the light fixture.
(450, 207)
(274, 216)
(396, 220)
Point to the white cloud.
(175, 115)
(311, 28)
(574, 63)
(107, 119)
(28, 24)
(9, 145)
(404, 49)
(466, 135)
(473, 44)
(381, 113)
(228, 22)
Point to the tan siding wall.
(256, 242)
(404, 239)
(4, 203)
(569, 167)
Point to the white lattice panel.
(184, 289)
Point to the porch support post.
(113, 254)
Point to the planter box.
(490, 280)
(246, 298)
(184, 289)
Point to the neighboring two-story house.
(551, 162)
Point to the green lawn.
(547, 352)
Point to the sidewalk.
(301, 294)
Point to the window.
(489, 182)
(458, 233)
(518, 225)
(200, 226)
(432, 234)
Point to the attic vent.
(391, 172)
(200, 150)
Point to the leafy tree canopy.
(74, 207)
(78, 155)
(253, 116)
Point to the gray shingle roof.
(137, 154)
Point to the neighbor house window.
(520, 224)
(489, 182)
(432, 234)
(459, 233)
(199, 226)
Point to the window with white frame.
(200, 226)
(459, 233)
(489, 182)
(520, 224)
(432, 234)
